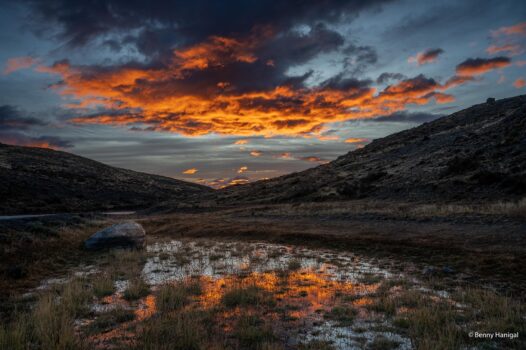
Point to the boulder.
(127, 234)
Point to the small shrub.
(382, 343)
(75, 297)
(103, 285)
(245, 296)
(251, 332)
(294, 264)
(175, 331)
(171, 297)
(108, 320)
(344, 316)
(137, 289)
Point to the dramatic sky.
(222, 92)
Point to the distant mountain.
(477, 154)
(38, 180)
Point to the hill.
(38, 180)
(477, 154)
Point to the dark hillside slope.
(477, 154)
(38, 180)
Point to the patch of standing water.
(174, 261)
(314, 278)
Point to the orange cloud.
(512, 49)
(519, 83)
(425, 57)
(17, 63)
(173, 97)
(190, 171)
(241, 142)
(242, 169)
(355, 140)
(457, 80)
(518, 29)
(314, 159)
(215, 52)
(285, 155)
(256, 153)
(328, 137)
(477, 66)
(238, 181)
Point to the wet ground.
(327, 298)
(208, 294)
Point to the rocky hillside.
(37, 180)
(477, 154)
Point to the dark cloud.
(358, 58)
(15, 129)
(387, 77)
(12, 119)
(428, 56)
(20, 139)
(164, 23)
(408, 117)
(340, 82)
(477, 66)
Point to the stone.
(128, 234)
(429, 271)
(16, 272)
(448, 270)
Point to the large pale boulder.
(127, 234)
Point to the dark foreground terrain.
(371, 275)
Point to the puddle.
(309, 289)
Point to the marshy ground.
(262, 280)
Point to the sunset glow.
(276, 88)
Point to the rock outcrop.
(127, 234)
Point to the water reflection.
(311, 290)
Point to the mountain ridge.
(476, 154)
(39, 180)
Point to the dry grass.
(252, 332)
(109, 320)
(438, 323)
(50, 324)
(43, 249)
(174, 296)
(400, 210)
(250, 295)
(176, 331)
(103, 285)
(137, 289)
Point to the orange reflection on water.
(146, 309)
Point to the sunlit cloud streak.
(425, 57)
(356, 140)
(477, 66)
(512, 49)
(17, 63)
(517, 29)
(519, 83)
(190, 171)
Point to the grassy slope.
(36, 180)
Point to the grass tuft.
(137, 289)
(246, 296)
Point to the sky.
(229, 92)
